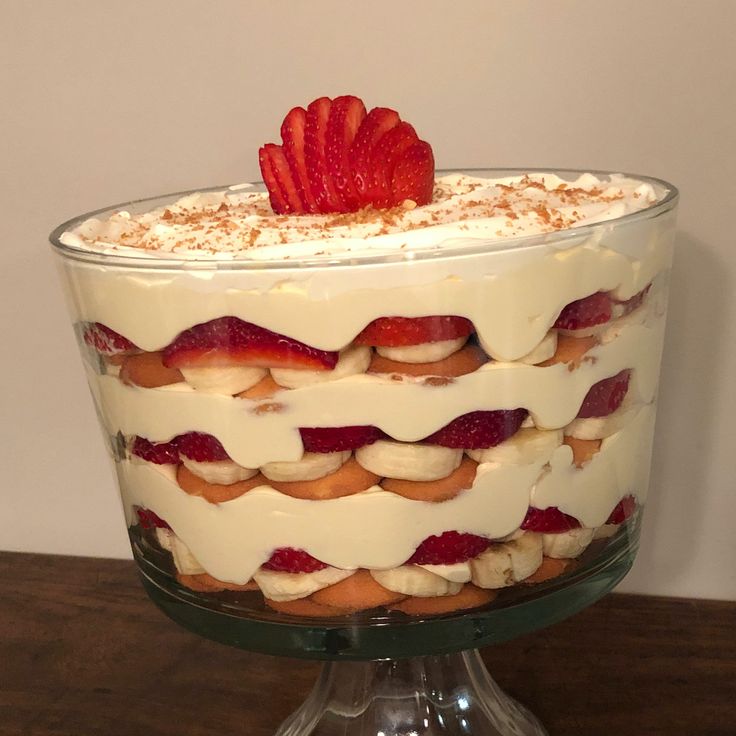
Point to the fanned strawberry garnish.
(346, 115)
(292, 134)
(315, 135)
(232, 341)
(336, 158)
(377, 122)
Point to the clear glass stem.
(444, 694)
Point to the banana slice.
(605, 531)
(544, 351)
(459, 572)
(227, 380)
(525, 447)
(289, 586)
(414, 580)
(408, 461)
(219, 472)
(567, 545)
(427, 352)
(164, 537)
(504, 564)
(352, 361)
(598, 428)
(313, 465)
(186, 563)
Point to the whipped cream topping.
(239, 223)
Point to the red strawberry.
(107, 341)
(338, 439)
(272, 159)
(588, 312)
(629, 305)
(605, 396)
(623, 510)
(288, 559)
(449, 548)
(346, 115)
(231, 341)
(292, 134)
(160, 453)
(401, 331)
(413, 175)
(479, 429)
(201, 447)
(315, 133)
(377, 122)
(384, 155)
(548, 521)
(276, 196)
(149, 520)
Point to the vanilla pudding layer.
(406, 411)
(232, 540)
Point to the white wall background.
(103, 102)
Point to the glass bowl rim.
(475, 245)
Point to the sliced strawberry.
(288, 559)
(588, 312)
(383, 157)
(149, 520)
(315, 132)
(623, 510)
(276, 196)
(413, 175)
(285, 181)
(160, 453)
(377, 122)
(346, 115)
(605, 396)
(479, 429)
(548, 521)
(629, 305)
(292, 134)
(401, 331)
(107, 341)
(449, 548)
(231, 341)
(201, 447)
(338, 439)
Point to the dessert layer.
(407, 411)
(369, 529)
(241, 222)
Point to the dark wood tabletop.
(84, 653)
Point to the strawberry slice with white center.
(338, 439)
(385, 153)
(449, 548)
(274, 166)
(479, 429)
(394, 332)
(231, 341)
(413, 175)
(107, 341)
(292, 134)
(548, 521)
(605, 396)
(315, 134)
(346, 115)
(288, 559)
(377, 122)
(587, 312)
(200, 447)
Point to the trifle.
(366, 389)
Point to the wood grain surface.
(84, 653)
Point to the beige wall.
(105, 101)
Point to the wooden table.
(84, 653)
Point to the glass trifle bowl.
(382, 439)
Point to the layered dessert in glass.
(414, 393)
